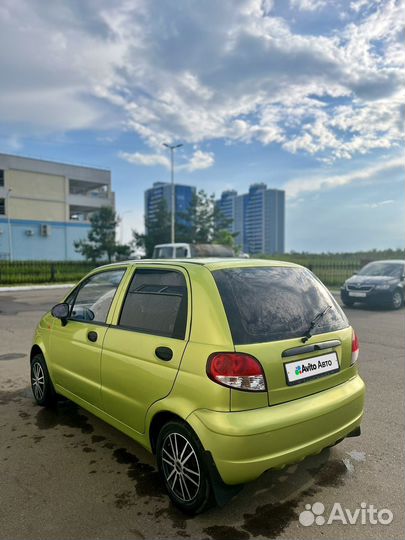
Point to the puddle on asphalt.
(224, 532)
(268, 520)
(15, 396)
(147, 478)
(330, 474)
(12, 356)
(64, 414)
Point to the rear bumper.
(247, 443)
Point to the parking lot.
(66, 474)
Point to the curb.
(36, 287)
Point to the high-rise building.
(163, 191)
(257, 218)
(45, 207)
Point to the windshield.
(273, 303)
(164, 252)
(382, 269)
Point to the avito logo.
(298, 370)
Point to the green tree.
(202, 223)
(206, 223)
(101, 243)
(157, 230)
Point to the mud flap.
(355, 433)
(222, 492)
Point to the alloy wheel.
(38, 381)
(180, 467)
(397, 299)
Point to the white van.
(188, 251)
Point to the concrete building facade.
(162, 190)
(45, 206)
(257, 218)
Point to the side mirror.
(403, 277)
(61, 311)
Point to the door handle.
(92, 336)
(164, 353)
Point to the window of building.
(1, 178)
(95, 297)
(156, 303)
(2, 207)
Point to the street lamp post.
(121, 217)
(172, 148)
(10, 240)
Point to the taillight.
(236, 370)
(355, 348)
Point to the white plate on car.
(358, 294)
(311, 368)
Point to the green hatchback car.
(222, 368)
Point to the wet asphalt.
(66, 474)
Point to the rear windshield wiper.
(314, 323)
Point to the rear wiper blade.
(314, 323)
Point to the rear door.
(142, 351)
(269, 310)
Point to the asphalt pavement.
(66, 474)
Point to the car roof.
(390, 261)
(212, 263)
(175, 244)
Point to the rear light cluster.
(355, 348)
(236, 370)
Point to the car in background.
(181, 250)
(379, 283)
(223, 368)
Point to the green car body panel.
(120, 379)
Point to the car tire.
(397, 300)
(182, 465)
(41, 384)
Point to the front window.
(383, 269)
(94, 299)
(275, 303)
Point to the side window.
(156, 303)
(181, 252)
(95, 297)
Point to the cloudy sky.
(305, 95)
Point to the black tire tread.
(206, 498)
(50, 397)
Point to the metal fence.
(27, 272)
(332, 270)
(334, 274)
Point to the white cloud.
(193, 72)
(378, 204)
(148, 160)
(198, 160)
(297, 186)
(308, 5)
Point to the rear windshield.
(274, 303)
